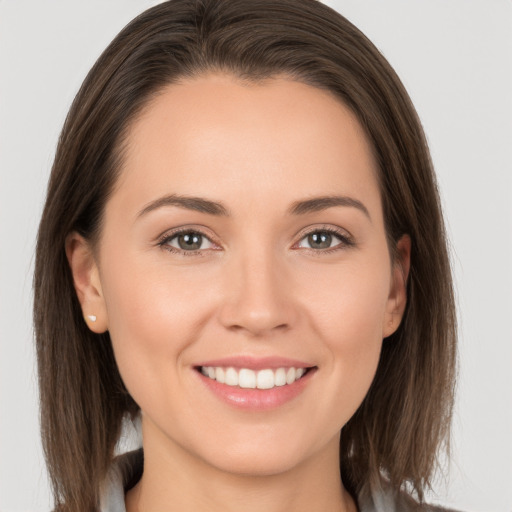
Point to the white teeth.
(231, 377)
(280, 377)
(265, 379)
(247, 378)
(250, 379)
(220, 376)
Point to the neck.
(176, 479)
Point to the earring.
(92, 318)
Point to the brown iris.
(320, 240)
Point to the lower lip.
(257, 399)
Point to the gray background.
(455, 58)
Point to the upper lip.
(256, 363)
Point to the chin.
(261, 465)
(260, 457)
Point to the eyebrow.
(317, 204)
(199, 204)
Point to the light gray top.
(129, 465)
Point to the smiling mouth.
(247, 378)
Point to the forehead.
(215, 135)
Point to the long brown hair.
(398, 429)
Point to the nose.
(258, 295)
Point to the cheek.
(147, 319)
(155, 312)
(348, 302)
(348, 316)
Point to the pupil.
(321, 240)
(190, 241)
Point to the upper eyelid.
(346, 240)
(163, 242)
(171, 233)
(336, 230)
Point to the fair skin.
(264, 280)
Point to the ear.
(87, 282)
(397, 299)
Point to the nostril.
(258, 305)
(257, 325)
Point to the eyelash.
(345, 241)
(167, 237)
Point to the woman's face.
(245, 241)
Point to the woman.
(242, 242)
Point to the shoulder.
(127, 470)
(124, 473)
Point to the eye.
(323, 239)
(188, 241)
